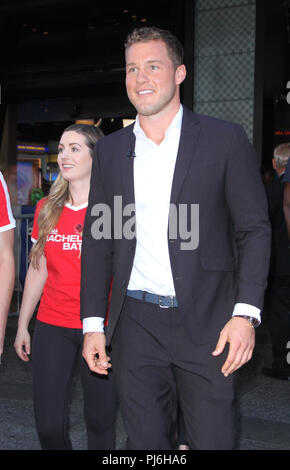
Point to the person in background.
(53, 278)
(286, 199)
(7, 264)
(278, 294)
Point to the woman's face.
(74, 159)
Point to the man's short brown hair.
(151, 33)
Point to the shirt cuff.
(93, 325)
(247, 310)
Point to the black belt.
(164, 301)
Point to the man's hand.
(240, 334)
(94, 352)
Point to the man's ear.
(180, 74)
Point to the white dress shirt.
(153, 175)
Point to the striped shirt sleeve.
(7, 221)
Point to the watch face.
(254, 321)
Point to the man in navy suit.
(189, 271)
(279, 273)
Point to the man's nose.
(142, 76)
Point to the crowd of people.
(158, 319)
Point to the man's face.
(152, 81)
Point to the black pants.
(279, 321)
(56, 353)
(180, 431)
(155, 361)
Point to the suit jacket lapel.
(127, 165)
(186, 152)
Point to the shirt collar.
(175, 124)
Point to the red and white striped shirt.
(7, 221)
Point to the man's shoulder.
(116, 137)
(210, 122)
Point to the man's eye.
(75, 149)
(154, 67)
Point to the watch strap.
(252, 320)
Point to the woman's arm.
(7, 278)
(34, 283)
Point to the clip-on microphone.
(131, 154)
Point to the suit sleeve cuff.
(247, 310)
(93, 325)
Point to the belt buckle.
(162, 297)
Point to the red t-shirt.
(7, 221)
(60, 301)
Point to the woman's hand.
(22, 344)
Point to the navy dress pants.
(154, 361)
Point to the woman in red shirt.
(53, 278)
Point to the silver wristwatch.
(254, 322)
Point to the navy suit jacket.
(217, 169)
